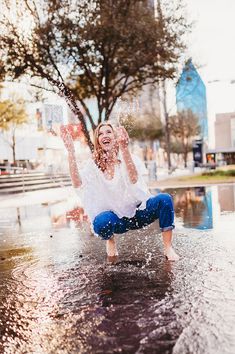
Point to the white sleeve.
(140, 185)
(86, 176)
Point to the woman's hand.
(122, 137)
(67, 139)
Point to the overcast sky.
(213, 37)
(212, 46)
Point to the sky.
(212, 41)
(212, 46)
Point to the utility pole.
(167, 130)
(158, 14)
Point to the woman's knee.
(167, 198)
(164, 199)
(161, 200)
(167, 201)
(103, 224)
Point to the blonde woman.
(112, 190)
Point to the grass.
(211, 176)
(207, 177)
(220, 173)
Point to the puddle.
(59, 295)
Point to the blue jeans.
(159, 207)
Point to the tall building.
(225, 131)
(224, 151)
(191, 94)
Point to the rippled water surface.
(58, 293)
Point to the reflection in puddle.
(201, 207)
(56, 215)
(194, 206)
(226, 198)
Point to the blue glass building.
(191, 94)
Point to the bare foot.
(112, 259)
(170, 254)
(111, 247)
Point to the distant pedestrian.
(112, 190)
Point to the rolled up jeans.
(159, 207)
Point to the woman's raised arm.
(123, 141)
(73, 168)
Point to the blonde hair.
(99, 155)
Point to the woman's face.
(106, 138)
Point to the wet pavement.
(58, 293)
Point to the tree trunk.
(100, 116)
(185, 159)
(14, 150)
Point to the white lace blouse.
(119, 195)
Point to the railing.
(29, 180)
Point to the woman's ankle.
(111, 247)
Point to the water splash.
(124, 110)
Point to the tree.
(183, 128)
(12, 115)
(146, 127)
(101, 49)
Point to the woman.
(112, 190)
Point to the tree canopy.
(100, 49)
(147, 127)
(12, 116)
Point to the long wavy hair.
(99, 155)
